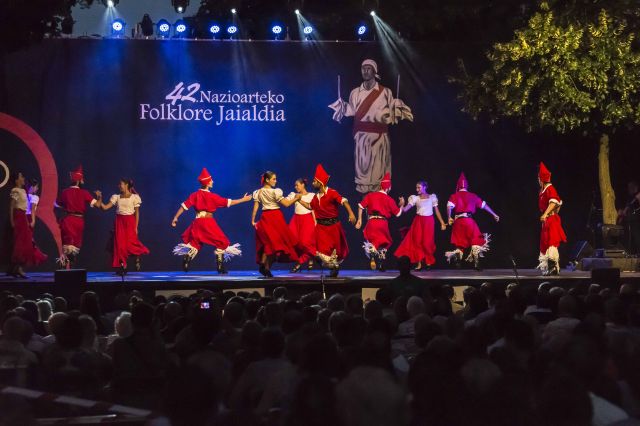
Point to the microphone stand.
(515, 268)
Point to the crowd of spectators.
(505, 355)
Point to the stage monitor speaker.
(70, 284)
(606, 277)
(581, 250)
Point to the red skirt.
(418, 244)
(465, 233)
(71, 230)
(332, 237)
(25, 251)
(274, 238)
(303, 228)
(377, 233)
(205, 230)
(125, 240)
(552, 233)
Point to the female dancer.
(274, 239)
(32, 201)
(419, 244)
(24, 252)
(125, 230)
(303, 226)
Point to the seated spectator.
(249, 388)
(371, 396)
(562, 327)
(16, 332)
(406, 283)
(68, 367)
(140, 362)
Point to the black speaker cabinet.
(70, 284)
(606, 277)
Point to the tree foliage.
(23, 22)
(563, 75)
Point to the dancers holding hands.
(274, 239)
(314, 232)
(419, 243)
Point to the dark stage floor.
(350, 278)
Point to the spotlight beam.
(303, 24)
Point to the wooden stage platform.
(349, 281)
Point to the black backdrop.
(85, 98)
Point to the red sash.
(368, 126)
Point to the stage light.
(110, 3)
(372, 13)
(232, 29)
(233, 11)
(362, 29)
(276, 29)
(297, 11)
(307, 30)
(214, 29)
(163, 28)
(117, 27)
(180, 5)
(181, 28)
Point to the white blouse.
(19, 195)
(268, 197)
(300, 209)
(126, 206)
(424, 206)
(32, 200)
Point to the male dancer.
(74, 201)
(204, 229)
(464, 230)
(331, 241)
(380, 207)
(552, 234)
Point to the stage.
(349, 281)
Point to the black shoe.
(138, 264)
(373, 264)
(220, 264)
(268, 274)
(381, 267)
(334, 273)
(476, 265)
(262, 270)
(185, 262)
(553, 267)
(296, 268)
(19, 273)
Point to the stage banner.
(157, 112)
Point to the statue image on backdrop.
(373, 109)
